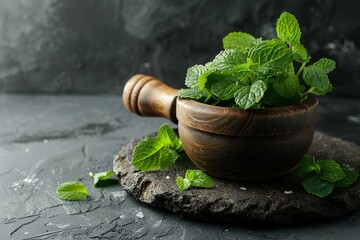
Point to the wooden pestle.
(148, 96)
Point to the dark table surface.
(47, 140)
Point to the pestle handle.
(148, 96)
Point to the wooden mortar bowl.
(228, 142)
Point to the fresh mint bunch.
(321, 177)
(252, 73)
(158, 152)
(194, 178)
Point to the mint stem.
(301, 69)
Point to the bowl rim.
(239, 122)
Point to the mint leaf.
(72, 191)
(193, 74)
(247, 96)
(225, 89)
(314, 76)
(271, 54)
(194, 94)
(242, 72)
(182, 183)
(287, 86)
(151, 154)
(228, 59)
(167, 135)
(313, 184)
(102, 179)
(288, 29)
(199, 179)
(326, 64)
(331, 171)
(308, 165)
(351, 177)
(300, 53)
(239, 41)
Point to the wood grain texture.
(246, 145)
(148, 96)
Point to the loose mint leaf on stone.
(103, 179)
(169, 138)
(182, 183)
(228, 59)
(150, 154)
(72, 191)
(300, 53)
(288, 29)
(331, 171)
(193, 74)
(199, 179)
(326, 64)
(308, 165)
(316, 77)
(313, 184)
(247, 96)
(194, 94)
(272, 54)
(351, 177)
(239, 41)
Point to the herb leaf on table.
(72, 191)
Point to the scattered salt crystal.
(288, 192)
(140, 215)
(122, 216)
(26, 233)
(167, 177)
(243, 188)
(45, 141)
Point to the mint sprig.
(72, 191)
(321, 177)
(158, 152)
(253, 73)
(194, 178)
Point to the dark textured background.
(81, 46)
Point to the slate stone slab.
(281, 201)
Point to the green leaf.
(351, 177)
(300, 53)
(151, 154)
(72, 191)
(239, 41)
(194, 94)
(247, 96)
(102, 179)
(182, 183)
(288, 29)
(326, 64)
(316, 77)
(228, 59)
(193, 74)
(225, 89)
(287, 86)
(272, 54)
(331, 171)
(313, 184)
(167, 135)
(308, 165)
(199, 179)
(242, 72)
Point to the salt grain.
(243, 188)
(288, 192)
